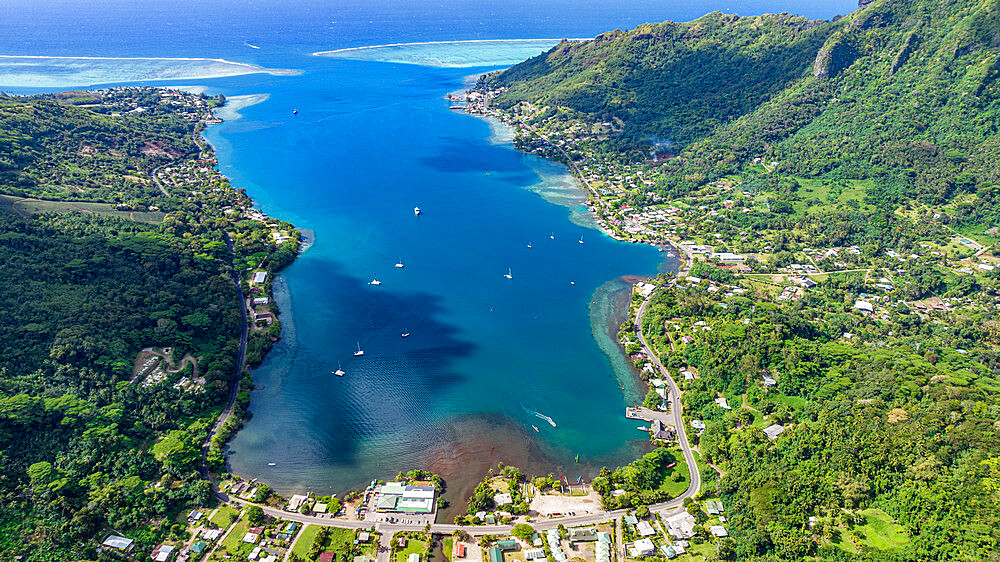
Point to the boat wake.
(540, 415)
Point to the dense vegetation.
(865, 151)
(87, 442)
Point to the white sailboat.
(340, 371)
(359, 352)
(416, 211)
(529, 244)
(552, 236)
(508, 275)
(581, 239)
(399, 264)
(374, 280)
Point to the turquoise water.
(486, 353)
(487, 356)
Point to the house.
(642, 547)
(319, 508)
(507, 545)
(603, 552)
(668, 551)
(211, 534)
(413, 557)
(722, 403)
(729, 257)
(681, 525)
(261, 300)
(251, 537)
(496, 555)
(864, 306)
(460, 551)
(698, 425)
(718, 531)
(198, 547)
(364, 536)
(604, 537)
(631, 520)
(769, 381)
(534, 553)
(774, 431)
(662, 431)
(297, 500)
(194, 516)
(588, 534)
(713, 507)
(259, 277)
(502, 499)
(119, 543)
(645, 529)
(162, 553)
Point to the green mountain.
(903, 93)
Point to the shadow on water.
(313, 424)
(477, 157)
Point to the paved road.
(240, 360)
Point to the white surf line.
(246, 65)
(457, 41)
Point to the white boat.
(340, 371)
(399, 264)
(581, 239)
(270, 464)
(359, 352)
(546, 418)
(416, 211)
(508, 275)
(536, 429)
(529, 244)
(642, 428)
(374, 280)
(552, 236)
(405, 334)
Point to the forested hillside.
(121, 325)
(834, 188)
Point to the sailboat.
(552, 236)
(529, 244)
(508, 275)
(374, 280)
(340, 371)
(581, 239)
(399, 264)
(359, 352)
(416, 211)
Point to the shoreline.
(455, 42)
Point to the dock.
(647, 415)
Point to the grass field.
(828, 195)
(412, 545)
(225, 516)
(668, 485)
(448, 544)
(27, 206)
(234, 542)
(305, 541)
(879, 531)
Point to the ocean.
(489, 360)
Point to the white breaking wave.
(45, 71)
(460, 53)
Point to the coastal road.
(241, 356)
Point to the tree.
(523, 531)
(255, 514)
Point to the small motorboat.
(417, 211)
(536, 429)
(295, 112)
(405, 334)
(270, 464)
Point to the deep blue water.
(371, 141)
